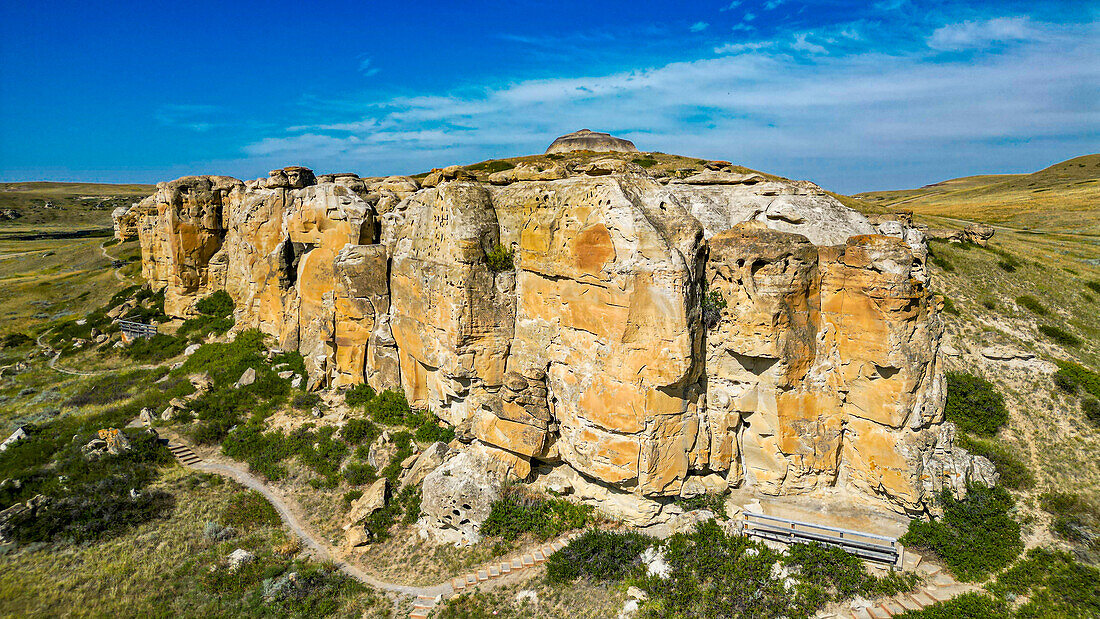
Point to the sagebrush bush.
(974, 404)
(389, 408)
(521, 511)
(359, 473)
(357, 431)
(598, 555)
(975, 536)
(1070, 377)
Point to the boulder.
(977, 233)
(13, 438)
(247, 378)
(1006, 353)
(201, 382)
(457, 497)
(425, 463)
(586, 139)
(238, 558)
(373, 499)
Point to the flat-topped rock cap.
(586, 139)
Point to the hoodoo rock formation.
(661, 340)
(586, 139)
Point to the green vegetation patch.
(645, 162)
(974, 404)
(500, 259)
(970, 605)
(975, 536)
(1060, 336)
(491, 167)
(219, 305)
(1032, 304)
(599, 555)
(1014, 473)
(1076, 519)
(249, 510)
(1071, 377)
(520, 511)
(1054, 584)
(715, 574)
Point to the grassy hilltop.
(1062, 198)
(64, 205)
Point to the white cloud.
(772, 4)
(740, 48)
(366, 69)
(977, 34)
(801, 44)
(749, 16)
(731, 6)
(699, 26)
(849, 120)
(188, 116)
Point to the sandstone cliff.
(816, 365)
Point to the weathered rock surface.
(457, 498)
(591, 353)
(586, 139)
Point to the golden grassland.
(1064, 197)
(71, 205)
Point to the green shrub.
(15, 340)
(1032, 304)
(248, 510)
(359, 473)
(305, 401)
(1060, 336)
(1070, 377)
(155, 349)
(1095, 286)
(429, 429)
(975, 537)
(942, 262)
(219, 305)
(1076, 519)
(1055, 584)
(1091, 408)
(351, 497)
(491, 166)
(974, 404)
(359, 395)
(521, 511)
(714, 502)
(970, 605)
(645, 162)
(113, 388)
(598, 555)
(499, 259)
(88, 499)
(1014, 473)
(712, 305)
(358, 431)
(715, 574)
(949, 307)
(989, 304)
(389, 408)
(199, 328)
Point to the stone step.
(458, 584)
(908, 603)
(861, 614)
(539, 557)
(893, 607)
(528, 560)
(943, 580)
(929, 569)
(942, 594)
(517, 564)
(923, 599)
(505, 568)
(419, 613)
(494, 571)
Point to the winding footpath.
(426, 598)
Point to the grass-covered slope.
(1064, 197)
(65, 204)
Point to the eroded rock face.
(820, 366)
(586, 139)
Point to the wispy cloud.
(978, 34)
(774, 104)
(772, 4)
(749, 16)
(699, 26)
(366, 69)
(731, 6)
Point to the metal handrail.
(820, 526)
(138, 329)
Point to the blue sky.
(853, 95)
